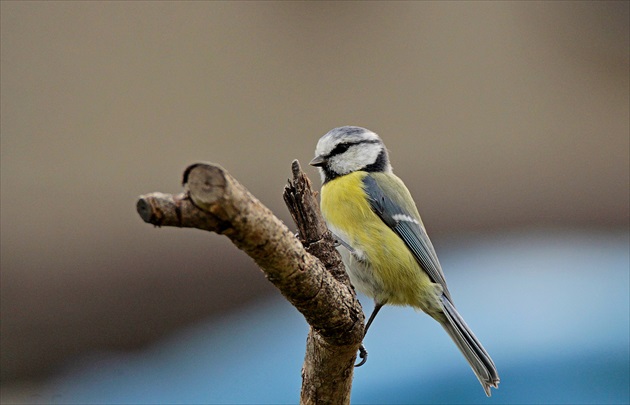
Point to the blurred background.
(508, 121)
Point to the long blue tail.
(471, 348)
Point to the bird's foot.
(362, 355)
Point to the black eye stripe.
(342, 147)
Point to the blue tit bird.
(382, 240)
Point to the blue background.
(551, 307)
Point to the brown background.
(497, 115)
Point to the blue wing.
(388, 203)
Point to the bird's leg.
(377, 307)
(362, 352)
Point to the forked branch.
(311, 278)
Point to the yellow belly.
(381, 266)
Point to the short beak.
(318, 161)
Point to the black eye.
(339, 149)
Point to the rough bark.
(308, 271)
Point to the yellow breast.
(382, 266)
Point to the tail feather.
(471, 348)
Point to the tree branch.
(320, 290)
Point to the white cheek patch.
(369, 152)
(405, 218)
(341, 166)
(355, 158)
